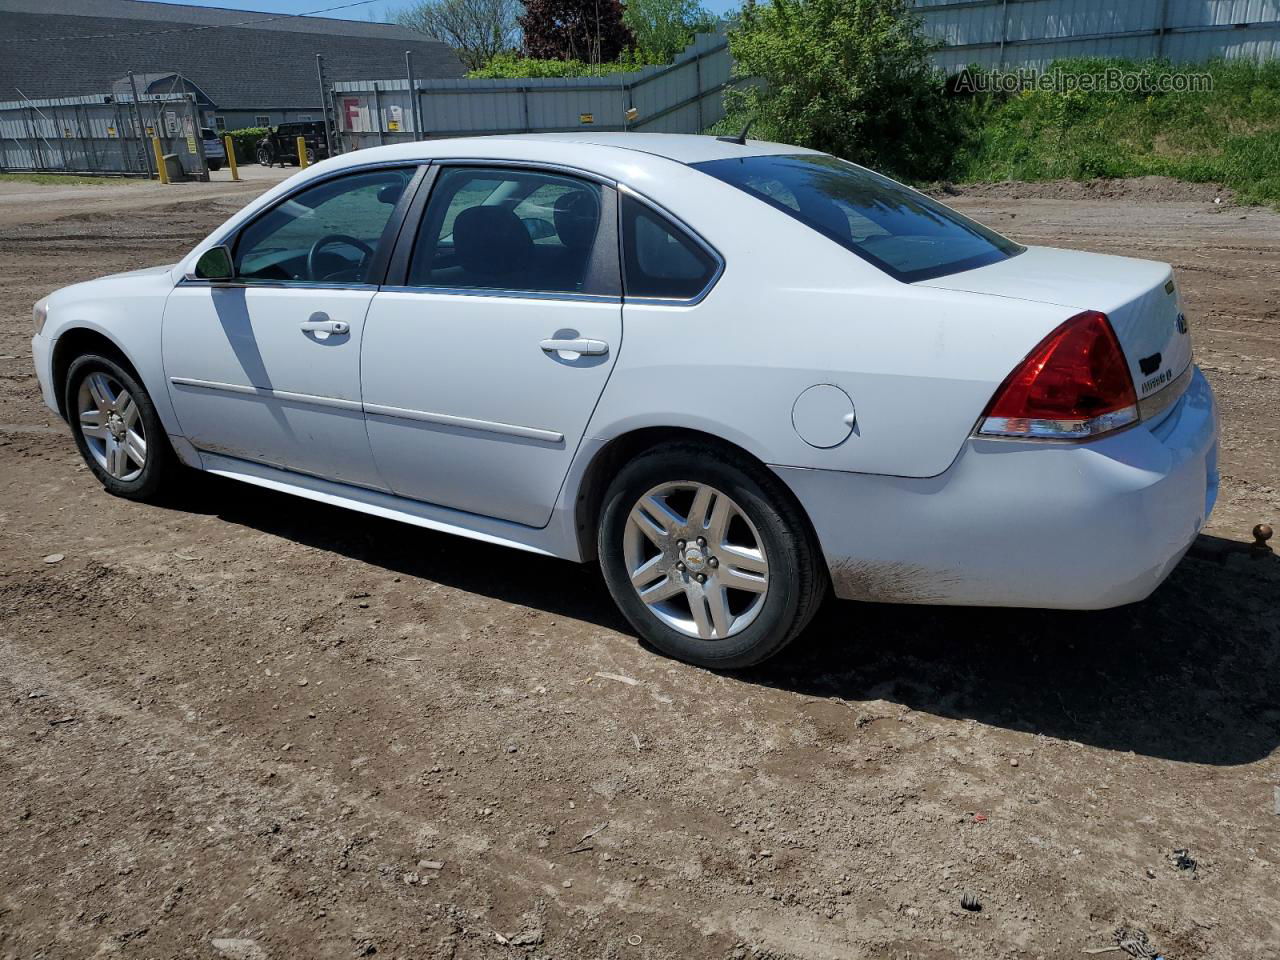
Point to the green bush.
(245, 141)
(662, 28)
(850, 77)
(508, 66)
(1230, 135)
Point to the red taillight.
(1074, 385)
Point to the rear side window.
(660, 260)
(904, 233)
(510, 229)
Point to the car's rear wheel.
(215, 164)
(707, 556)
(116, 428)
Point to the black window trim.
(605, 255)
(382, 252)
(688, 231)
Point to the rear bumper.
(1025, 524)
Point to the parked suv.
(215, 154)
(280, 145)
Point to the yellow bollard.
(231, 157)
(302, 153)
(160, 167)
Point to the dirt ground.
(248, 726)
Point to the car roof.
(680, 148)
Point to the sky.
(377, 10)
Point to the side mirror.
(214, 264)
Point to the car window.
(661, 260)
(507, 229)
(324, 234)
(904, 233)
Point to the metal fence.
(1033, 33)
(100, 135)
(686, 96)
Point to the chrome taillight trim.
(1025, 428)
(1161, 401)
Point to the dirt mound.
(1145, 189)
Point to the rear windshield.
(904, 233)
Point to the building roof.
(242, 59)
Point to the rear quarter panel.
(792, 310)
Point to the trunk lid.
(1138, 296)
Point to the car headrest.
(577, 215)
(491, 241)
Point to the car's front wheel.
(707, 556)
(116, 428)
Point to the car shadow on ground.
(1192, 674)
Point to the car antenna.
(741, 138)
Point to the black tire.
(796, 575)
(161, 462)
(215, 164)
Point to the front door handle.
(580, 346)
(326, 326)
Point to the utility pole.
(414, 107)
(324, 106)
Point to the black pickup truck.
(280, 145)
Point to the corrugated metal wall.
(1033, 33)
(98, 134)
(685, 97)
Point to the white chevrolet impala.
(737, 374)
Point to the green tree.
(849, 77)
(478, 30)
(662, 28)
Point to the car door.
(482, 366)
(267, 367)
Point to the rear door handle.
(325, 326)
(580, 346)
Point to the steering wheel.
(330, 239)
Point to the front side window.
(323, 234)
(507, 229)
(904, 233)
(660, 260)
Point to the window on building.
(220, 124)
(262, 121)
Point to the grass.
(60, 179)
(1229, 136)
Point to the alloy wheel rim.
(696, 560)
(112, 427)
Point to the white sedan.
(738, 374)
